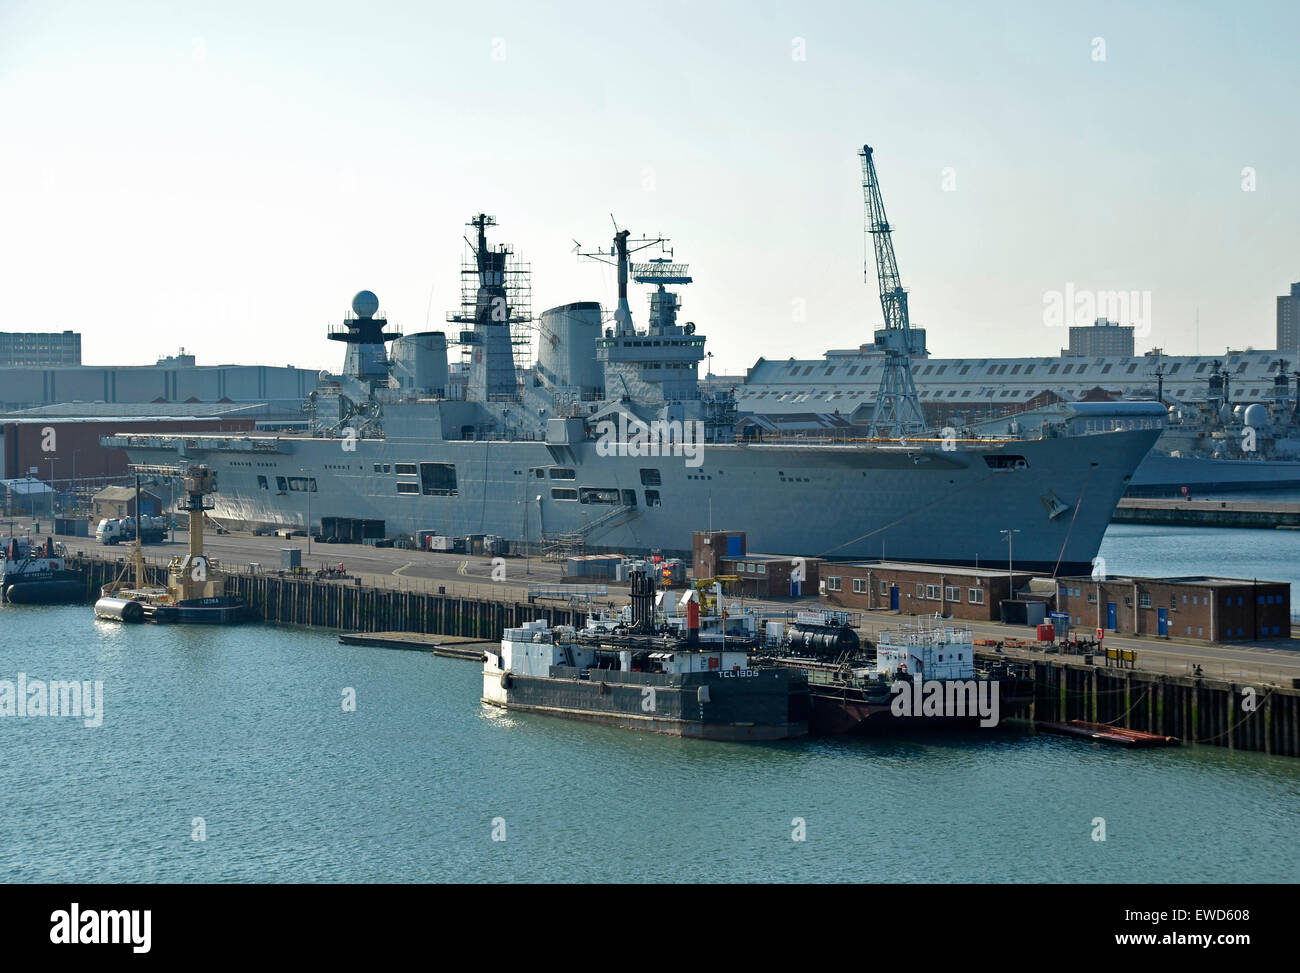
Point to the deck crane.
(898, 409)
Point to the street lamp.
(1009, 534)
(53, 490)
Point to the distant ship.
(525, 451)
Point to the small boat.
(922, 677)
(195, 592)
(1109, 734)
(37, 572)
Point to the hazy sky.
(225, 177)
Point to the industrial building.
(722, 553)
(1102, 337)
(1288, 322)
(1202, 608)
(25, 496)
(845, 382)
(22, 349)
(920, 589)
(33, 384)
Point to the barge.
(663, 671)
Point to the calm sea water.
(245, 729)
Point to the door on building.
(1162, 621)
(1110, 616)
(795, 587)
(893, 597)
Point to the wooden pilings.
(359, 608)
(1240, 716)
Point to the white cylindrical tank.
(420, 363)
(567, 346)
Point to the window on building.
(1144, 601)
(832, 584)
(976, 596)
(952, 593)
(859, 586)
(932, 592)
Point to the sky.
(225, 177)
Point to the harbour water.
(247, 729)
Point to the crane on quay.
(898, 408)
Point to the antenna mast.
(617, 257)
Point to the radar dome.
(1256, 416)
(365, 304)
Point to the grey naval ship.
(578, 450)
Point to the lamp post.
(1009, 534)
(53, 491)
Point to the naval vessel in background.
(513, 452)
(610, 441)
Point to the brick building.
(722, 552)
(1210, 609)
(119, 501)
(919, 589)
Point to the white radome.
(365, 304)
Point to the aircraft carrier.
(610, 442)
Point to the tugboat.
(38, 573)
(648, 669)
(922, 676)
(196, 585)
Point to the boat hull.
(56, 591)
(839, 502)
(761, 705)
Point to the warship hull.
(840, 502)
(1161, 475)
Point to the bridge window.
(408, 487)
(562, 473)
(405, 469)
(261, 482)
(563, 493)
